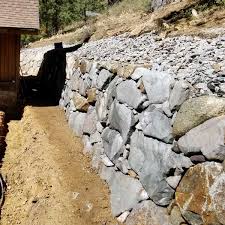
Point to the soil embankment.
(49, 179)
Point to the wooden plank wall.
(9, 57)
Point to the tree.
(55, 14)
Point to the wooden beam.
(18, 30)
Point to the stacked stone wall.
(157, 139)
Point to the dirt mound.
(49, 179)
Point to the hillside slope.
(188, 17)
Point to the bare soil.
(49, 179)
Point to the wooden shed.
(16, 17)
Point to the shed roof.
(22, 14)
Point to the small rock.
(95, 138)
(197, 159)
(173, 181)
(139, 72)
(102, 79)
(106, 161)
(176, 217)
(131, 173)
(91, 95)
(122, 218)
(101, 107)
(112, 142)
(80, 103)
(90, 121)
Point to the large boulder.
(158, 86)
(154, 161)
(207, 138)
(127, 92)
(200, 194)
(195, 111)
(157, 125)
(126, 191)
(148, 213)
(121, 118)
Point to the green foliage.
(220, 2)
(56, 14)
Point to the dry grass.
(131, 17)
(127, 6)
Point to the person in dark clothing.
(52, 72)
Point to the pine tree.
(55, 14)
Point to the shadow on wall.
(47, 86)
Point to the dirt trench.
(49, 180)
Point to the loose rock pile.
(155, 130)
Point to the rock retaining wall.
(144, 134)
(157, 140)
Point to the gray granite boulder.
(158, 86)
(76, 122)
(207, 138)
(156, 124)
(90, 121)
(112, 142)
(153, 161)
(127, 92)
(195, 111)
(179, 94)
(126, 192)
(102, 78)
(148, 213)
(121, 118)
(96, 137)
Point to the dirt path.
(49, 179)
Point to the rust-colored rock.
(91, 93)
(200, 194)
(85, 66)
(125, 71)
(80, 103)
